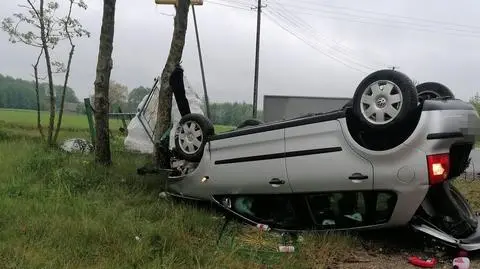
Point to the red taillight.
(438, 168)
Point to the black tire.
(401, 84)
(431, 90)
(250, 122)
(200, 124)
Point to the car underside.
(386, 159)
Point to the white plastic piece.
(263, 227)
(461, 263)
(77, 145)
(138, 138)
(286, 248)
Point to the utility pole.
(255, 84)
(201, 64)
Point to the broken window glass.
(350, 209)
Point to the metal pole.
(255, 85)
(91, 126)
(201, 63)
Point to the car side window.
(350, 209)
(281, 211)
(385, 203)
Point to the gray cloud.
(287, 65)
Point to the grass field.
(60, 210)
(24, 122)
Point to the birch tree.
(39, 26)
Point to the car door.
(336, 182)
(319, 159)
(249, 161)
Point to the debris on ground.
(424, 263)
(77, 145)
(461, 263)
(287, 249)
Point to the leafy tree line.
(20, 94)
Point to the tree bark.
(164, 111)
(102, 84)
(43, 37)
(35, 70)
(62, 101)
(67, 74)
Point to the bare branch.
(33, 7)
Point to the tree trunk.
(35, 70)
(43, 37)
(164, 112)
(62, 102)
(102, 84)
(67, 73)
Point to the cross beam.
(175, 2)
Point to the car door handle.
(357, 176)
(276, 181)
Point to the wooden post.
(88, 111)
(124, 123)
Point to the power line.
(364, 11)
(298, 23)
(351, 17)
(272, 16)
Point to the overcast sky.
(342, 41)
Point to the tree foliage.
(20, 94)
(41, 27)
(135, 97)
(117, 96)
(475, 101)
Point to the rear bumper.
(470, 243)
(446, 216)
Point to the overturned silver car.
(386, 159)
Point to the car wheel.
(191, 136)
(431, 90)
(249, 122)
(384, 98)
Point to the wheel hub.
(190, 137)
(381, 102)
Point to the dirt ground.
(395, 261)
(391, 249)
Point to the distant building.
(280, 107)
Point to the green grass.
(28, 119)
(61, 210)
